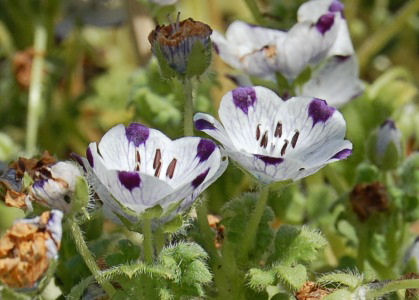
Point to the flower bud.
(27, 249)
(56, 186)
(384, 146)
(182, 48)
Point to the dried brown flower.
(22, 66)
(312, 291)
(32, 165)
(368, 198)
(27, 247)
(411, 294)
(215, 223)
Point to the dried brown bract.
(312, 291)
(215, 223)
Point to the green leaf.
(81, 195)
(173, 225)
(339, 295)
(199, 59)
(260, 280)
(295, 244)
(293, 277)
(350, 279)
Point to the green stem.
(188, 113)
(380, 38)
(35, 89)
(148, 241)
(254, 10)
(335, 180)
(160, 240)
(253, 225)
(88, 257)
(393, 286)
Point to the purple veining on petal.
(202, 124)
(325, 22)
(243, 97)
(137, 133)
(269, 160)
(345, 153)
(389, 123)
(205, 149)
(90, 157)
(200, 178)
(128, 179)
(39, 184)
(319, 111)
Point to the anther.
(284, 148)
(171, 168)
(294, 139)
(157, 173)
(278, 130)
(264, 140)
(157, 158)
(258, 132)
(138, 161)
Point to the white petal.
(312, 10)
(213, 128)
(227, 51)
(336, 81)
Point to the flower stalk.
(35, 89)
(392, 286)
(148, 241)
(188, 109)
(88, 257)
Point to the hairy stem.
(35, 89)
(380, 38)
(148, 241)
(392, 286)
(253, 225)
(188, 109)
(88, 257)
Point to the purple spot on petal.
(336, 6)
(202, 124)
(389, 123)
(342, 58)
(269, 160)
(200, 178)
(137, 133)
(345, 153)
(217, 50)
(205, 149)
(243, 97)
(78, 159)
(39, 184)
(90, 157)
(325, 22)
(319, 111)
(128, 179)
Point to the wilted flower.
(136, 168)
(55, 187)
(312, 291)
(320, 40)
(277, 140)
(384, 146)
(183, 46)
(27, 249)
(369, 198)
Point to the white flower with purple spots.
(136, 168)
(277, 140)
(56, 185)
(262, 52)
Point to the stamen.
(157, 158)
(177, 21)
(157, 173)
(171, 168)
(278, 130)
(284, 148)
(264, 140)
(258, 132)
(294, 139)
(138, 161)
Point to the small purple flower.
(277, 140)
(138, 169)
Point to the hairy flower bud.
(182, 48)
(384, 146)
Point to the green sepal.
(259, 279)
(367, 173)
(303, 77)
(339, 295)
(153, 212)
(173, 225)
(199, 59)
(391, 157)
(293, 277)
(81, 195)
(352, 280)
(27, 181)
(166, 70)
